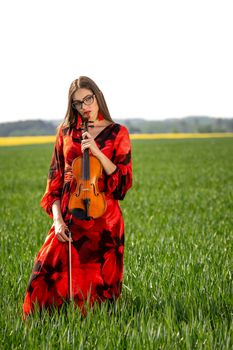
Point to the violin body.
(87, 202)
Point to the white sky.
(152, 59)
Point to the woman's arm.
(55, 179)
(119, 173)
(107, 164)
(56, 209)
(59, 224)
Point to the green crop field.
(177, 291)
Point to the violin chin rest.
(80, 214)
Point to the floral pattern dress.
(98, 244)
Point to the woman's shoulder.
(120, 128)
(62, 129)
(121, 135)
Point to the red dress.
(98, 245)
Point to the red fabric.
(100, 116)
(98, 245)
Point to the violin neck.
(86, 158)
(86, 165)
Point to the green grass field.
(177, 291)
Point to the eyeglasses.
(88, 100)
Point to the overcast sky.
(152, 59)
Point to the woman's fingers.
(60, 233)
(86, 141)
(60, 238)
(86, 145)
(86, 134)
(64, 237)
(89, 143)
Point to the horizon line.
(136, 118)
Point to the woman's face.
(91, 106)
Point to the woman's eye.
(88, 98)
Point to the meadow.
(177, 291)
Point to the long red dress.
(98, 245)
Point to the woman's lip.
(86, 114)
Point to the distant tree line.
(27, 128)
(183, 125)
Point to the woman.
(97, 244)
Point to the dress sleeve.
(55, 176)
(119, 182)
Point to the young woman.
(98, 244)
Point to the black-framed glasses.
(88, 100)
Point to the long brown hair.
(87, 83)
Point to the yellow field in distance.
(25, 140)
(30, 140)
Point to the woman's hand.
(60, 228)
(107, 164)
(89, 142)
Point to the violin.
(87, 202)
